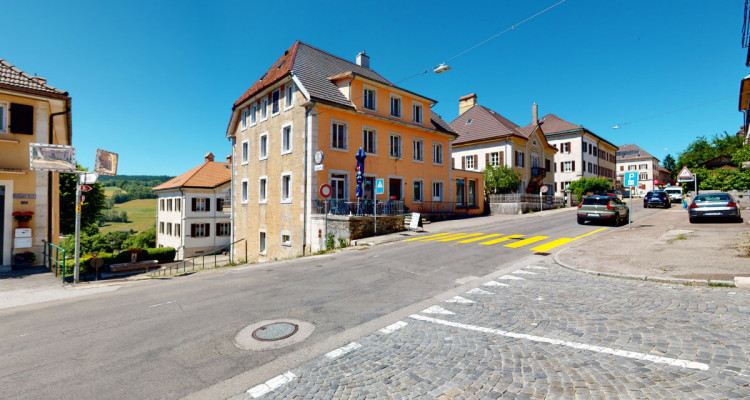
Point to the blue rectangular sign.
(379, 186)
(631, 179)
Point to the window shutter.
(463, 162)
(453, 163)
(192, 229)
(208, 205)
(573, 166)
(194, 206)
(219, 204)
(217, 229)
(476, 158)
(502, 158)
(486, 160)
(208, 230)
(21, 119)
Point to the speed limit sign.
(325, 190)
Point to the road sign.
(380, 186)
(325, 190)
(631, 179)
(85, 188)
(685, 175)
(544, 189)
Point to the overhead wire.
(617, 126)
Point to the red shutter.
(486, 160)
(453, 163)
(208, 229)
(208, 205)
(574, 166)
(476, 157)
(194, 206)
(502, 158)
(463, 162)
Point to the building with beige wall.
(631, 158)
(487, 138)
(311, 102)
(190, 212)
(31, 111)
(581, 153)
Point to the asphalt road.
(171, 338)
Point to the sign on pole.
(685, 175)
(631, 179)
(325, 190)
(380, 186)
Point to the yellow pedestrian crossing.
(495, 238)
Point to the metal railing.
(190, 264)
(441, 207)
(525, 198)
(55, 261)
(359, 207)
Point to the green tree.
(586, 185)
(670, 163)
(500, 179)
(741, 155)
(143, 240)
(92, 206)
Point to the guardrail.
(190, 264)
(359, 207)
(56, 261)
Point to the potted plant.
(23, 218)
(24, 259)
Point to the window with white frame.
(395, 106)
(567, 166)
(222, 229)
(245, 151)
(244, 188)
(286, 239)
(416, 112)
(470, 162)
(177, 229)
(169, 229)
(289, 96)
(161, 227)
(395, 146)
(338, 135)
(286, 187)
(3, 117)
(200, 230)
(369, 140)
(263, 145)
(263, 189)
(286, 138)
(632, 167)
(178, 204)
(253, 114)
(201, 204)
(169, 204)
(495, 158)
(369, 99)
(418, 190)
(643, 176)
(417, 150)
(437, 191)
(243, 119)
(437, 153)
(275, 98)
(262, 242)
(338, 186)
(643, 166)
(263, 109)
(161, 204)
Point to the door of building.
(394, 188)
(369, 188)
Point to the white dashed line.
(459, 300)
(510, 278)
(478, 291)
(393, 327)
(536, 267)
(437, 310)
(494, 283)
(342, 350)
(520, 271)
(161, 304)
(271, 384)
(598, 349)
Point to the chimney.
(363, 59)
(39, 79)
(534, 114)
(466, 102)
(229, 159)
(209, 157)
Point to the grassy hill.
(141, 214)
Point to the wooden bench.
(136, 266)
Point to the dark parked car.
(714, 205)
(602, 209)
(657, 198)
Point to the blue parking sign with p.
(631, 179)
(379, 186)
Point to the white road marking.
(520, 271)
(494, 283)
(343, 350)
(161, 304)
(459, 300)
(271, 384)
(598, 349)
(540, 298)
(511, 277)
(536, 267)
(478, 291)
(393, 327)
(437, 310)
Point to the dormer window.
(416, 112)
(468, 121)
(369, 99)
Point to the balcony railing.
(538, 171)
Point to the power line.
(618, 126)
(510, 28)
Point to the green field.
(141, 214)
(109, 191)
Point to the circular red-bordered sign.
(325, 190)
(544, 189)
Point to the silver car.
(607, 209)
(714, 205)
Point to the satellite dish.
(441, 68)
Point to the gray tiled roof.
(632, 152)
(12, 76)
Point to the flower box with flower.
(23, 218)
(25, 258)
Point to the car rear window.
(589, 201)
(713, 197)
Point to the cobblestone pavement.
(545, 332)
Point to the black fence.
(359, 207)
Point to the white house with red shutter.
(190, 214)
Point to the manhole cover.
(275, 331)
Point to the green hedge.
(162, 254)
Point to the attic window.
(468, 121)
(263, 77)
(533, 142)
(281, 64)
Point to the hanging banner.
(360, 172)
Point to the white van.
(674, 193)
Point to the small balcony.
(538, 171)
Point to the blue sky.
(155, 80)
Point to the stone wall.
(354, 227)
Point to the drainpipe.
(182, 220)
(231, 206)
(49, 173)
(308, 110)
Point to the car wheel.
(581, 221)
(617, 219)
